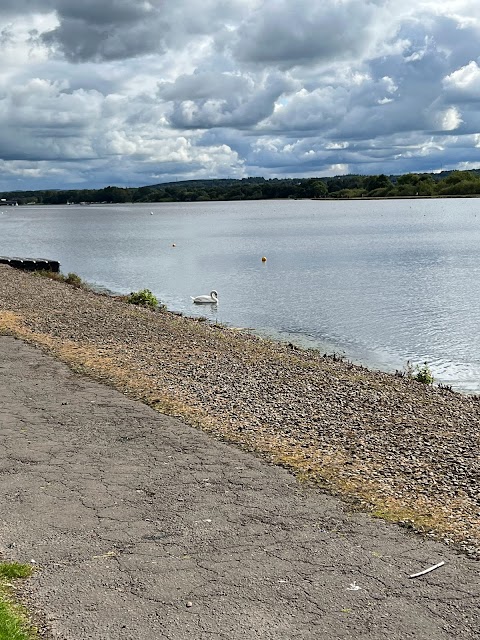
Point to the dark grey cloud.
(106, 12)
(82, 42)
(290, 33)
(223, 101)
(6, 36)
(94, 30)
(207, 85)
(19, 7)
(107, 30)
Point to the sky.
(137, 92)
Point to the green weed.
(70, 278)
(11, 570)
(144, 298)
(73, 279)
(419, 373)
(14, 623)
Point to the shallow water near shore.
(382, 282)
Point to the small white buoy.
(151, 213)
(174, 245)
(264, 259)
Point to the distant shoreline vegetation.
(411, 185)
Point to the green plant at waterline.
(73, 279)
(144, 298)
(70, 278)
(423, 374)
(14, 624)
(419, 373)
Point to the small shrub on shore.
(416, 372)
(143, 298)
(42, 273)
(70, 278)
(74, 280)
(423, 374)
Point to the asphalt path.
(143, 528)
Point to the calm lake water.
(382, 282)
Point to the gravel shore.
(405, 451)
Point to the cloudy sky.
(135, 92)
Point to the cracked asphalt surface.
(144, 528)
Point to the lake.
(381, 282)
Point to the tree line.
(452, 183)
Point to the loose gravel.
(404, 450)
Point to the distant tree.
(256, 194)
(426, 186)
(462, 188)
(143, 194)
(377, 182)
(316, 188)
(335, 184)
(406, 189)
(414, 184)
(408, 178)
(459, 176)
(348, 193)
(112, 194)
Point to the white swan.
(213, 297)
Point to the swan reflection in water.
(212, 298)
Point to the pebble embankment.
(406, 451)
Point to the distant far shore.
(325, 198)
(456, 197)
(346, 187)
